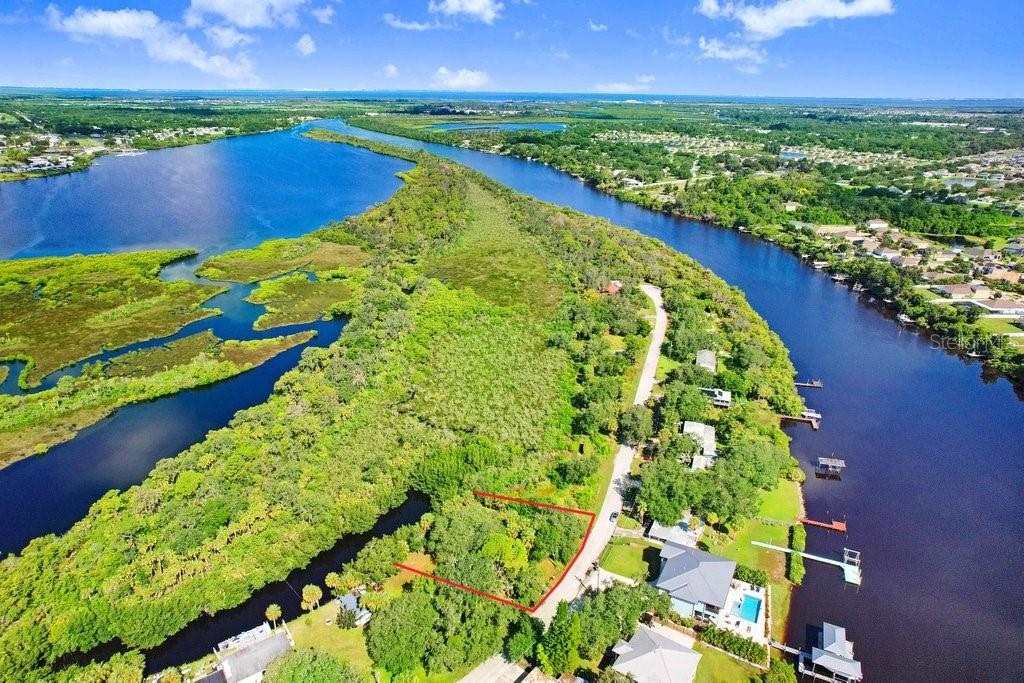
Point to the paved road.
(580, 575)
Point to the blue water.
(934, 489)
(750, 608)
(223, 195)
(538, 126)
(934, 493)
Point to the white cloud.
(391, 71)
(480, 10)
(746, 58)
(163, 41)
(672, 38)
(559, 53)
(763, 22)
(305, 45)
(463, 79)
(227, 37)
(597, 28)
(246, 13)
(66, 62)
(645, 78)
(394, 22)
(325, 14)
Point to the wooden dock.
(813, 421)
(813, 384)
(834, 525)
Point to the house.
(907, 261)
(833, 229)
(877, 224)
(352, 604)
(869, 245)
(1002, 306)
(704, 435)
(833, 656)
(685, 532)
(708, 360)
(1003, 275)
(963, 291)
(792, 206)
(885, 253)
(720, 398)
(244, 658)
(697, 582)
(942, 256)
(977, 253)
(651, 656)
(935, 275)
(613, 287)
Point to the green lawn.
(997, 325)
(783, 503)
(630, 556)
(665, 366)
(311, 630)
(718, 667)
(628, 523)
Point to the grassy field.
(312, 630)
(718, 667)
(783, 503)
(630, 556)
(56, 311)
(1001, 326)
(496, 260)
(277, 257)
(665, 366)
(295, 299)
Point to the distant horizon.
(484, 95)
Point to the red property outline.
(497, 598)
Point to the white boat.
(858, 287)
(904, 318)
(811, 414)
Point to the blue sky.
(824, 48)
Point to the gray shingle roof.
(835, 652)
(650, 657)
(695, 576)
(255, 658)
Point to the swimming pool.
(749, 608)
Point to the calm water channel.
(935, 480)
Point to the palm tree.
(311, 595)
(333, 581)
(273, 613)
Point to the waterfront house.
(708, 360)
(244, 658)
(832, 658)
(720, 398)
(877, 224)
(656, 656)
(697, 582)
(352, 604)
(825, 230)
(970, 290)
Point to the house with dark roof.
(653, 657)
(697, 582)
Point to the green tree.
(400, 633)
(636, 425)
(311, 596)
(561, 642)
(310, 666)
(664, 491)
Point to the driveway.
(580, 575)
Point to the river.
(935, 480)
